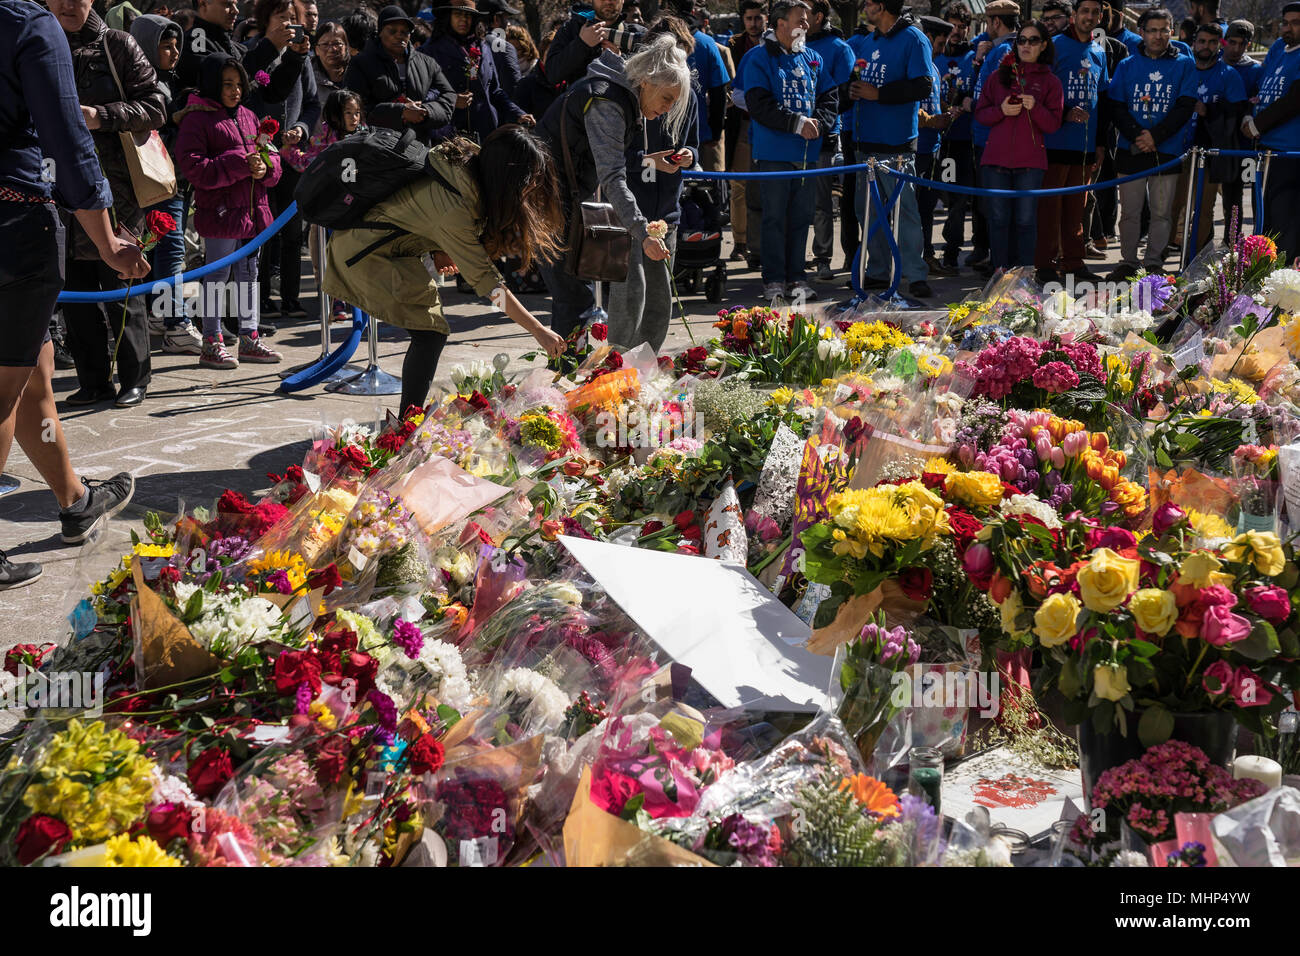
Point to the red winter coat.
(212, 152)
(1017, 142)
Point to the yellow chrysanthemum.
(782, 396)
(1209, 525)
(123, 851)
(933, 364)
(938, 466)
(867, 520)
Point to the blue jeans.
(909, 229)
(1013, 229)
(169, 258)
(788, 205)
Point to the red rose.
(685, 548)
(697, 354)
(692, 533)
(934, 480)
(268, 127)
(965, 526)
(159, 222)
(615, 360)
(477, 401)
(169, 575)
(684, 520)
(356, 457)
(917, 583)
(327, 577)
(650, 527)
(599, 331)
(209, 772)
(665, 363)
(296, 667)
(390, 441)
(426, 755)
(28, 655)
(611, 791)
(167, 822)
(41, 834)
(233, 502)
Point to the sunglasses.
(1029, 41)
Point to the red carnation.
(233, 502)
(426, 755)
(41, 834)
(209, 772)
(296, 667)
(268, 127)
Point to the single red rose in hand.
(209, 771)
(268, 127)
(41, 834)
(159, 222)
(427, 755)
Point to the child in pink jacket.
(217, 150)
(1021, 103)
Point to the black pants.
(419, 366)
(284, 249)
(1233, 193)
(93, 328)
(1281, 199)
(979, 221)
(1107, 203)
(31, 277)
(850, 230)
(962, 153)
(927, 167)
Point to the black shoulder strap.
(393, 232)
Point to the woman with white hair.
(599, 119)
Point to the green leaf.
(1261, 644)
(450, 716)
(632, 806)
(193, 607)
(1143, 648)
(1155, 726)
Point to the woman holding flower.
(1021, 103)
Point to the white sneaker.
(156, 325)
(774, 290)
(183, 340)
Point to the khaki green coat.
(392, 283)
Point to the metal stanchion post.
(1198, 163)
(896, 213)
(1262, 173)
(348, 371)
(374, 380)
(866, 223)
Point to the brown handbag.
(600, 246)
(153, 177)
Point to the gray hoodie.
(149, 30)
(606, 128)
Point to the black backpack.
(353, 175)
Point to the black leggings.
(419, 366)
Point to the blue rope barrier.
(117, 295)
(1250, 153)
(307, 377)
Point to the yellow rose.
(1198, 568)
(1011, 609)
(1107, 580)
(1054, 620)
(1265, 547)
(1154, 610)
(979, 489)
(1110, 681)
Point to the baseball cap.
(394, 14)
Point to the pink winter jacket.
(1017, 142)
(212, 152)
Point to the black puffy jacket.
(373, 74)
(137, 108)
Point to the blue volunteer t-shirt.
(795, 80)
(1082, 70)
(957, 79)
(838, 57)
(927, 140)
(1219, 83)
(1281, 69)
(1251, 73)
(904, 56)
(979, 133)
(1149, 88)
(708, 71)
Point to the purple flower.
(279, 579)
(385, 709)
(302, 698)
(408, 637)
(262, 78)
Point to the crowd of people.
(529, 136)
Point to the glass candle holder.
(925, 774)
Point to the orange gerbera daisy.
(872, 794)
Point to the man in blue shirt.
(933, 122)
(1276, 126)
(1134, 40)
(894, 80)
(955, 61)
(830, 45)
(1152, 97)
(1220, 105)
(1072, 151)
(47, 156)
(1000, 28)
(791, 104)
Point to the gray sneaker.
(824, 273)
(183, 340)
(17, 575)
(107, 498)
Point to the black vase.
(1214, 731)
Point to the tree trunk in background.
(848, 11)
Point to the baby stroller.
(699, 241)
